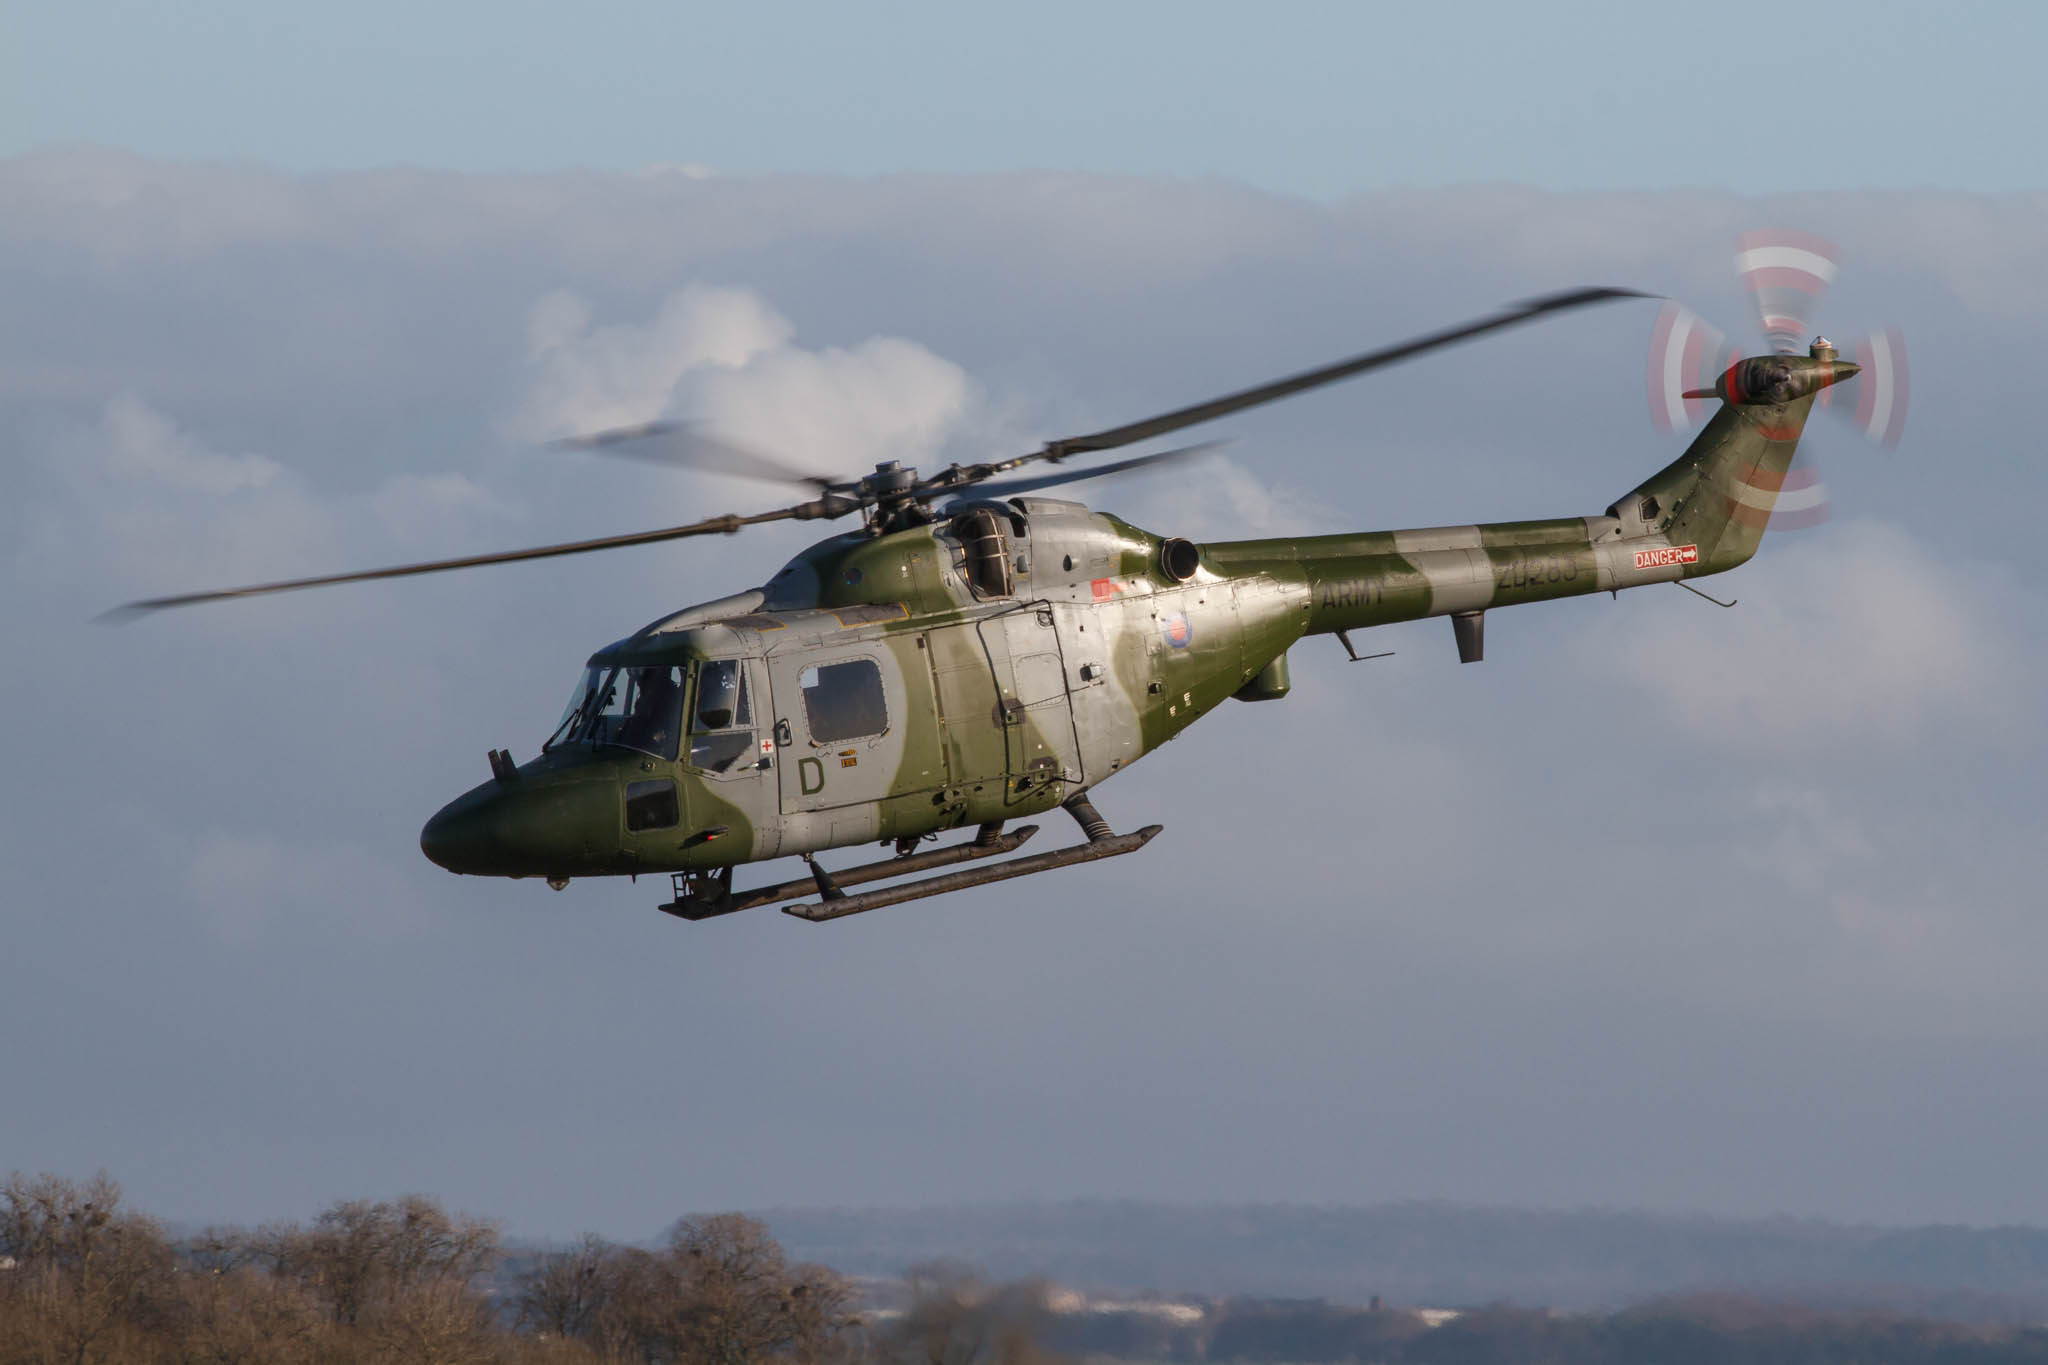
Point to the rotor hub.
(890, 482)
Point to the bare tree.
(86, 1273)
(358, 1255)
(565, 1292)
(958, 1318)
(744, 1303)
(720, 1293)
(239, 1315)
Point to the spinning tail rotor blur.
(1786, 275)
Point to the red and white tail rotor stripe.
(1881, 388)
(1685, 354)
(1786, 273)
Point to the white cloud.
(724, 358)
(1805, 841)
(145, 446)
(131, 503)
(1219, 499)
(424, 509)
(590, 378)
(1858, 636)
(137, 500)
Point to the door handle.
(782, 735)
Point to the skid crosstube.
(838, 907)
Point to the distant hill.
(1436, 1253)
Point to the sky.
(1659, 906)
(1313, 99)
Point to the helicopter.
(975, 653)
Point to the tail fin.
(1719, 494)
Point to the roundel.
(1174, 626)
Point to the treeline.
(1703, 1330)
(87, 1281)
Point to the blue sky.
(1660, 905)
(1317, 99)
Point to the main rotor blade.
(1513, 315)
(1009, 488)
(690, 445)
(711, 526)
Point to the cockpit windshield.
(635, 708)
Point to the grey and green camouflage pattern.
(1012, 655)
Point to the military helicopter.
(975, 653)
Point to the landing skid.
(700, 898)
(697, 901)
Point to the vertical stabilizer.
(1719, 494)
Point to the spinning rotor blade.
(891, 488)
(725, 525)
(1511, 316)
(688, 444)
(1880, 412)
(1686, 355)
(1008, 488)
(1786, 273)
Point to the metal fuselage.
(1018, 654)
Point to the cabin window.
(722, 720)
(844, 701)
(652, 805)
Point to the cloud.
(131, 503)
(1858, 637)
(1219, 499)
(142, 501)
(840, 409)
(425, 510)
(590, 377)
(1804, 842)
(146, 447)
(725, 359)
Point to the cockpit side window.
(721, 720)
(653, 711)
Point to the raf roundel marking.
(1174, 626)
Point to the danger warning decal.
(1666, 556)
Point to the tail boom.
(1704, 513)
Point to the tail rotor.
(1786, 274)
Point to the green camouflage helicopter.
(975, 654)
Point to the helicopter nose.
(493, 830)
(525, 828)
(458, 836)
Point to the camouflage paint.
(1003, 705)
